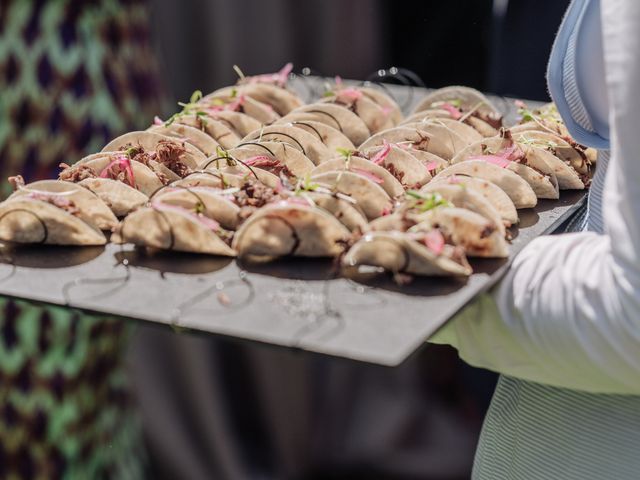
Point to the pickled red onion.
(120, 161)
(206, 222)
(453, 111)
(494, 159)
(379, 157)
(432, 166)
(434, 241)
(367, 174)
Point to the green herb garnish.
(427, 202)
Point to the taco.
(115, 166)
(210, 178)
(417, 253)
(518, 190)
(464, 104)
(171, 227)
(363, 167)
(331, 137)
(375, 117)
(490, 191)
(44, 218)
(464, 228)
(181, 132)
(573, 155)
(240, 123)
(342, 207)
(307, 143)
(401, 163)
(388, 104)
(156, 146)
(275, 157)
(219, 131)
(292, 227)
(263, 113)
(460, 196)
(462, 98)
(217, 204)
(336, 116)
(462, 130)
(526, 161)
(369, 196)
(89, 207)
(433, 139)
(280, 99)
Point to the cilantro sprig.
(426, 202)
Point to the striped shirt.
(563, 326)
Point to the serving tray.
(300, 303)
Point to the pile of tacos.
(250, 170)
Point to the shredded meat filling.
(75, 173)
(17, 182)
(253, 195)
(57, 201)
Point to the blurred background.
(76, 73)
(498, 46)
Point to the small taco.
(156, 146)
(181, 132)
(342, 207)
(214, 203)
(210, 178)
(338, 117)
(463, 104)
(462, 130)
(240, 123)
(490, 191)
(89, 207)
(115, 166)
(525, 161)
(388, 104)
(219, 131)
(170, 227)
(41, 218)
(369, 196)
(307, 143)
(401, 163)
(275, 157)
(261, 168)
(462, 98)
(478, 236)
(458, 195)
(572, 154)
(262, 112)
(433, 139)
(375, 117)
(518, 190)
(280, 99)
(419, 253)
(361, 166)
(292, 227)
(331, 137)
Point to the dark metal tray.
(292, 302)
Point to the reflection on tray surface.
(299, 268)
(418, 286)
(48, 256)
(172, 262)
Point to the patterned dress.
(73, 74)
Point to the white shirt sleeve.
(568, 311)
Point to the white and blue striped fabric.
(535, 431)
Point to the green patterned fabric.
(73, 75)
(65, 407)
